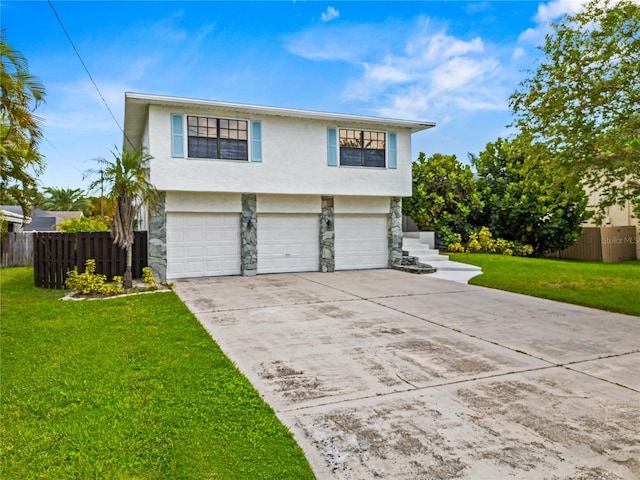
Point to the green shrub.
(147, 277)
(85, 224)
(91, 283)
(483, 242)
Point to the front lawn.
(125, 388)
(608, 286)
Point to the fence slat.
(603, 244)
(16, 249)
(55, 253)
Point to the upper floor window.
(362, 148)
(217, 138)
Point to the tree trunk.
(127, 279)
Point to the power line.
(88, 73)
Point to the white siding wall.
(294, 161)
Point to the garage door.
(361, 242)
(202, 244)
(288, 243)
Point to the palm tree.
(64, 199)
(129, 187)
(20, 161)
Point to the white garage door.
(288, 243)
(202, 244)
(361, 242)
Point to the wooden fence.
(16, 249)
(54, 254)
(603, 244)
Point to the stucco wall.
(294, 161)
(201, 202)
(198, 202)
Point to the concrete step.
(418, 269)
(445, 268)
(448, 265)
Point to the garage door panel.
(361, 242)
(288, 243)
(202, 244)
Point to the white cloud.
(432, 75)
(78, 107)
(549, 12)
(518, 53)
(330, 14)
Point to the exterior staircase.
(420, 246)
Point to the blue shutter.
(256, 141)
(332, 147)
(393, 151)
(177, 135)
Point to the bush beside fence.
(54, 254)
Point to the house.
(14, 219)
(41, 220)
(249, 189)
(618, 216)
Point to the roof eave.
(150, 99)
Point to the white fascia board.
(136, 105)
(14, 217)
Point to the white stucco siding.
(294, 161)
(288, 204)
(361, 205)
(203, 202)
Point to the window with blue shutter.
(256, 141)
(177, 135)
(332, 147)
(393, 152)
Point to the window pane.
(224, 123)
(349, 138)
(202, 147)
(233, 149)
(373, 158)
(350, 156)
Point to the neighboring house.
(41, 220)
(14, 220)
(251, 189)
(617, 216)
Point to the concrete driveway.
(384, 374)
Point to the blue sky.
(454, 63)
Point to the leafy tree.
(583, 100)
(443, 196)
(20, 161)
(101, 207)
(84, 224)
(126, 178)
(64, 199)
(525, 200)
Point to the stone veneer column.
(157, 240)
(394, 226)
(327, 236)
(249, 236)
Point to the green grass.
(607, 286)
(127, 388)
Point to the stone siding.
(157, 240)
(249, 236)
(327, 236)
(394, 227)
